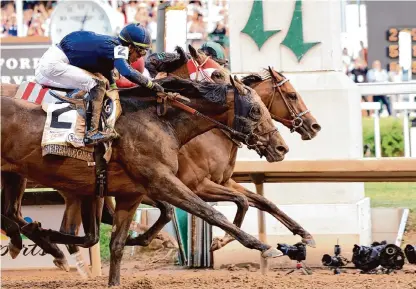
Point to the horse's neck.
(181, 72)
(188, 126)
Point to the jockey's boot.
(94, 136)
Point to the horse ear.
(232, 81)
(271, 72)
(193, 51)
(238, 80)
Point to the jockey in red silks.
(123, 82)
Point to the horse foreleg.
(170, 189)
(13, 187)
(212, 192)
(71, 223)
(166, 212)
(124, 213)
(264, 204)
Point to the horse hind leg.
(166, 212)
(13, 232)
(13, 187)
(212, 192)
(71, 223)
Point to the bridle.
(296, 121)
(200, 69)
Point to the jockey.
(68, 65)
(216, 51)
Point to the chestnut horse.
(138, 166)
(281, 100)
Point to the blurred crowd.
(203, 23)
(36, 18)
(359, 71)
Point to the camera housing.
(296, 252)
(410, 252)
(389, 256)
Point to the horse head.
(284, 103)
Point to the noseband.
(200, 69)
(296, 121)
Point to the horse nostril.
(282, 149)
(316, 127)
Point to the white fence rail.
(391, 88)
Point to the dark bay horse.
(207, 170)
(215, 165)
(137, 166)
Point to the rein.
(250, 140)
(296, 121)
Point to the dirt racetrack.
(177, 278)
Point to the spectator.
(377, 74)
(363, 54)
(359, 75)
(219, 33)
(197, 26)
(346, 60)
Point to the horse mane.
(138, 98)
(166, 61)
(251, 79)
(258, 77)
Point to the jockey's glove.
(157, 87)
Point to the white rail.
(390, 88)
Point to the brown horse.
(137, 165)
(276, 93)
(207, 170)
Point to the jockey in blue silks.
(69, 63)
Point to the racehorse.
(137, 166)
(281, 99)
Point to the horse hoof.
(271, 253)
(216, 244)
(61, 264)
(309, 241)
(14, 250)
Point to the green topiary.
(391, 133)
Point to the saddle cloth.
(65, 125)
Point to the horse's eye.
(293, 96)
(255, 112)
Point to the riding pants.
(54, 70)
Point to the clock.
(87, 15)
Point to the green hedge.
(391, 131)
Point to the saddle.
(67, 121)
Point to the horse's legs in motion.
(13, 187)
(125, 209)
(212, 192)
(166, 212)
(91, 209)
(75, 208)
(170, 189)
(264, 204)
(13, 232)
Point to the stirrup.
(99, 137)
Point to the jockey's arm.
(133, 75)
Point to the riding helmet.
(135, 34)
(215, 50)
